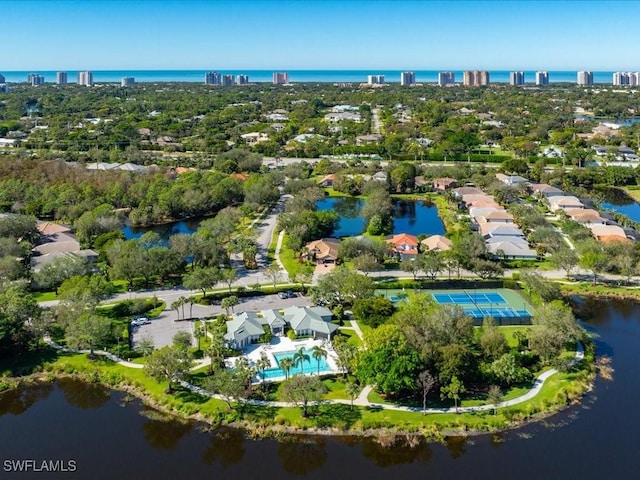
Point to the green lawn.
(291, 263)
(353, 337)
(45, 296)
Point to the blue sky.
(303, 34)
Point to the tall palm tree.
(300, 357)
(286, 364)
(318, 353)
(215, 351)
(262, 364)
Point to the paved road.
(375, 120)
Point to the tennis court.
(496, 312)
(466, 297)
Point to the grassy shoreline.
(559, 392)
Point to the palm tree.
(176, 306)
(263, 364)
(200, 332)
(300, 357)
(318, 353)
(286, 364)
(353, 390)
(216, 351)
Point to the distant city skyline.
(330, 34)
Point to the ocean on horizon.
(295, 76)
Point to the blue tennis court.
(497, 312)
(476, 298)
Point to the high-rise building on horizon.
(212, 78)
(375, 79)
(228, 80)
(475, 78)
(407, 78)
(446, 78)
(85, 79)
(243, 79)
(1, 78)
(126, 81)
(542, 78)
(585, 78)
(34, 79)
(516, 78)
(280, 78)
(61, 78)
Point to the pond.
(617, 200)
(165, 230)
(109, 437)
(410, 216)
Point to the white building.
(446, 78)
(626, 78)
(212, 78)
(243, 79)
(516, 78)
(585, 78)
(85, 79)
(61, 78)
(34, 79)
(375, 79)
(542, 78)
(228, 80)
(127, 81)
(407, 78)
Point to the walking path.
(362, 399)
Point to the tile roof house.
(586, 215)
(608, 233)
(380, 176)
(461, 191)
(511, 250)
(324, 250)
(327, 180)
(545, 190)
(502, 230)
(444, 183)
(511, 179)
(403, 244)
(496, 216)
(58, 242)
(50, 228)
(476, 212)
(565, 202)
(436, 243)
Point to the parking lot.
(162, 329)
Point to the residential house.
(340, 116)
(545, 190)
(306, 137)
(461, 191)
(253, 138)
(380, 176)
(327, 180)
(367, 139)
(102, 166)
(552, 152)
(243, 330)
(476, 212)
(445, 183)
(314, 321)
(403, 244)
(499, 230)
(608, 233)
(565, 202)
(586, 215)
(436, 243)
(322, 251)
(511, 179)
(421, 183)
(511, 250)
(495, 217)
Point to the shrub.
(292, 335)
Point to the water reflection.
(162, 431)
(457, 446)
(302, 455)
(226, 447)
(19, 400)
(82, 394)
(387, 451)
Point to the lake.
(410, 216)
(109, 437)
(617, 200)
(165, 230)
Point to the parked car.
(282, 295)
(291, 294)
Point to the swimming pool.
(306, 367)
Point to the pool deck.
(285, 344)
